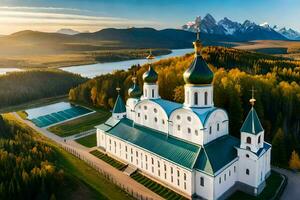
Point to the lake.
(94, 70)
(3, 71)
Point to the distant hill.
(67, 31)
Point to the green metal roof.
(119, 106)
(168, 106)
(217, 154)
(150, 76)
(170, 148)
(198, 72)
(252, 124)
(135, 91)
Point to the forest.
(276, 82)
(22, 87)
(27, 165)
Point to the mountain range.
(245, 31)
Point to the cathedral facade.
(187, 147)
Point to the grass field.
(88, 141)
(272, 184)
(81, 124)
(83, 181)
(156, 187)
(116, 164)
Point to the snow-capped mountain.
(67, 31)
(289, 33)
(241, 31)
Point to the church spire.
(119, 110)
(134, 91)
(252, 123)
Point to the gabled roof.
(221, 152)
(119, 106)
(252, 124)
(170, 148)
(168, 106)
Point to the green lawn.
(88, 141)
(156, 187)
(81, 124)
(272, 184)
(108, 159)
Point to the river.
(93, 70)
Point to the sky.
(93, 15)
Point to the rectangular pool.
(55, 113)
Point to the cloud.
(50, 18)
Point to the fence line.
(108, 176)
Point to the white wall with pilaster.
(150, 91)
(198, 96)
(216, 126)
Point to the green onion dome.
(150, 76)
(198, 72)
(134, 91)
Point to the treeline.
(27, 169)
(277, 91)
(21, 87)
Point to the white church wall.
(152, 115)
(248, 168)
(254, 142)
(195, 96)
(185, 124)
(216, 126)
(130, 106)
(204, 185)
(226, 179)
(165, 171)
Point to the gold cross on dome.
(252, 100)
(118, 90)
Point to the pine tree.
(279, 149)
(294, 162)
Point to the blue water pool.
(55, 113)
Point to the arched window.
(196, 98)
(248, 148)
(155, 110)
(258, 139)
(247, 155)
(196, 132)
(152, 93)
(202, 181)
(210, 129)
(205, 98)
(189, 118)
(155, 119)
(248, 140)
(247, 171)
(189, 130)
(178, 127)
(218, 126)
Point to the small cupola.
(134, 91)
(198, 73)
